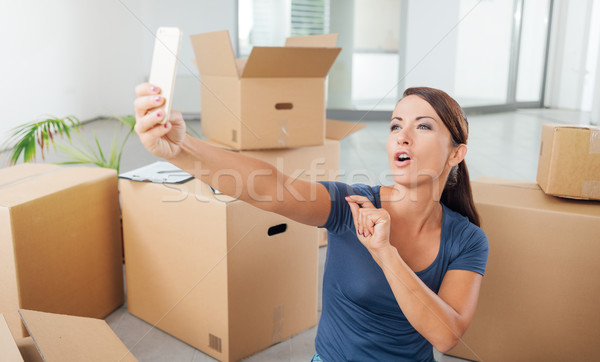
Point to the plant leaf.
(25, 138)
(99, 148)
(113, 152)
(78, 154)
(88, 146)
(29, 151)
(127, 120)
(122, 148)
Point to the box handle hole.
(281, 106)
(277, 229)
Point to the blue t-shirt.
(361, 319)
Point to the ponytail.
(457, 194)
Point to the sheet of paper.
(158, 172)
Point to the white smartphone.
(164, 64)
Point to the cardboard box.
(60, 241)
(311, 163)
(58, 338)
(274, 99)
(569, 164)
(540, 293)
(215, 272)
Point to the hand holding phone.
(164, 64)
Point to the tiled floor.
(500, 145)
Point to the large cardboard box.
(540, 293)
(274, 99)
(311, 163)
(58, 338)
(215, 272)
(60, 241)
(569, 163)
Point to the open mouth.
(403, 157)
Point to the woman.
(404, 262)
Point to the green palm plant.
(25, 140)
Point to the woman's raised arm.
(246, 178)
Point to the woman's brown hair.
(457, 193)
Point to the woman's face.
(419, 147)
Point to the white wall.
(339, 86)
(437, 68)
(483, 52)
(83, 58)
(369, 33)
(591, 84)
(375, 61)
(66, 58)
(192, 17)
(568, 54)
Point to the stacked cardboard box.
(274, 99)
(536, 301)
(215, 272)
(539, 297)
(272, 105)
(310, 163)
(60, 242)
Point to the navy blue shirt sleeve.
(340, 215)
(474, 253)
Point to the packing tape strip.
(595, 140)
(590, 189)
(31, 177)
(282, 133)
(277, 324)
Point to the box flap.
(284, 62)
(240, 64)
(312, 41)
(68, 338)
(9, 352)
(337, 130)
(214, 54)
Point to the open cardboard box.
(59, 338)
(60, 241)
(540, 294)
(569, 164)
(274, 99)
(310, 163)
(217, 273)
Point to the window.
(269, 22)
(309, 17)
